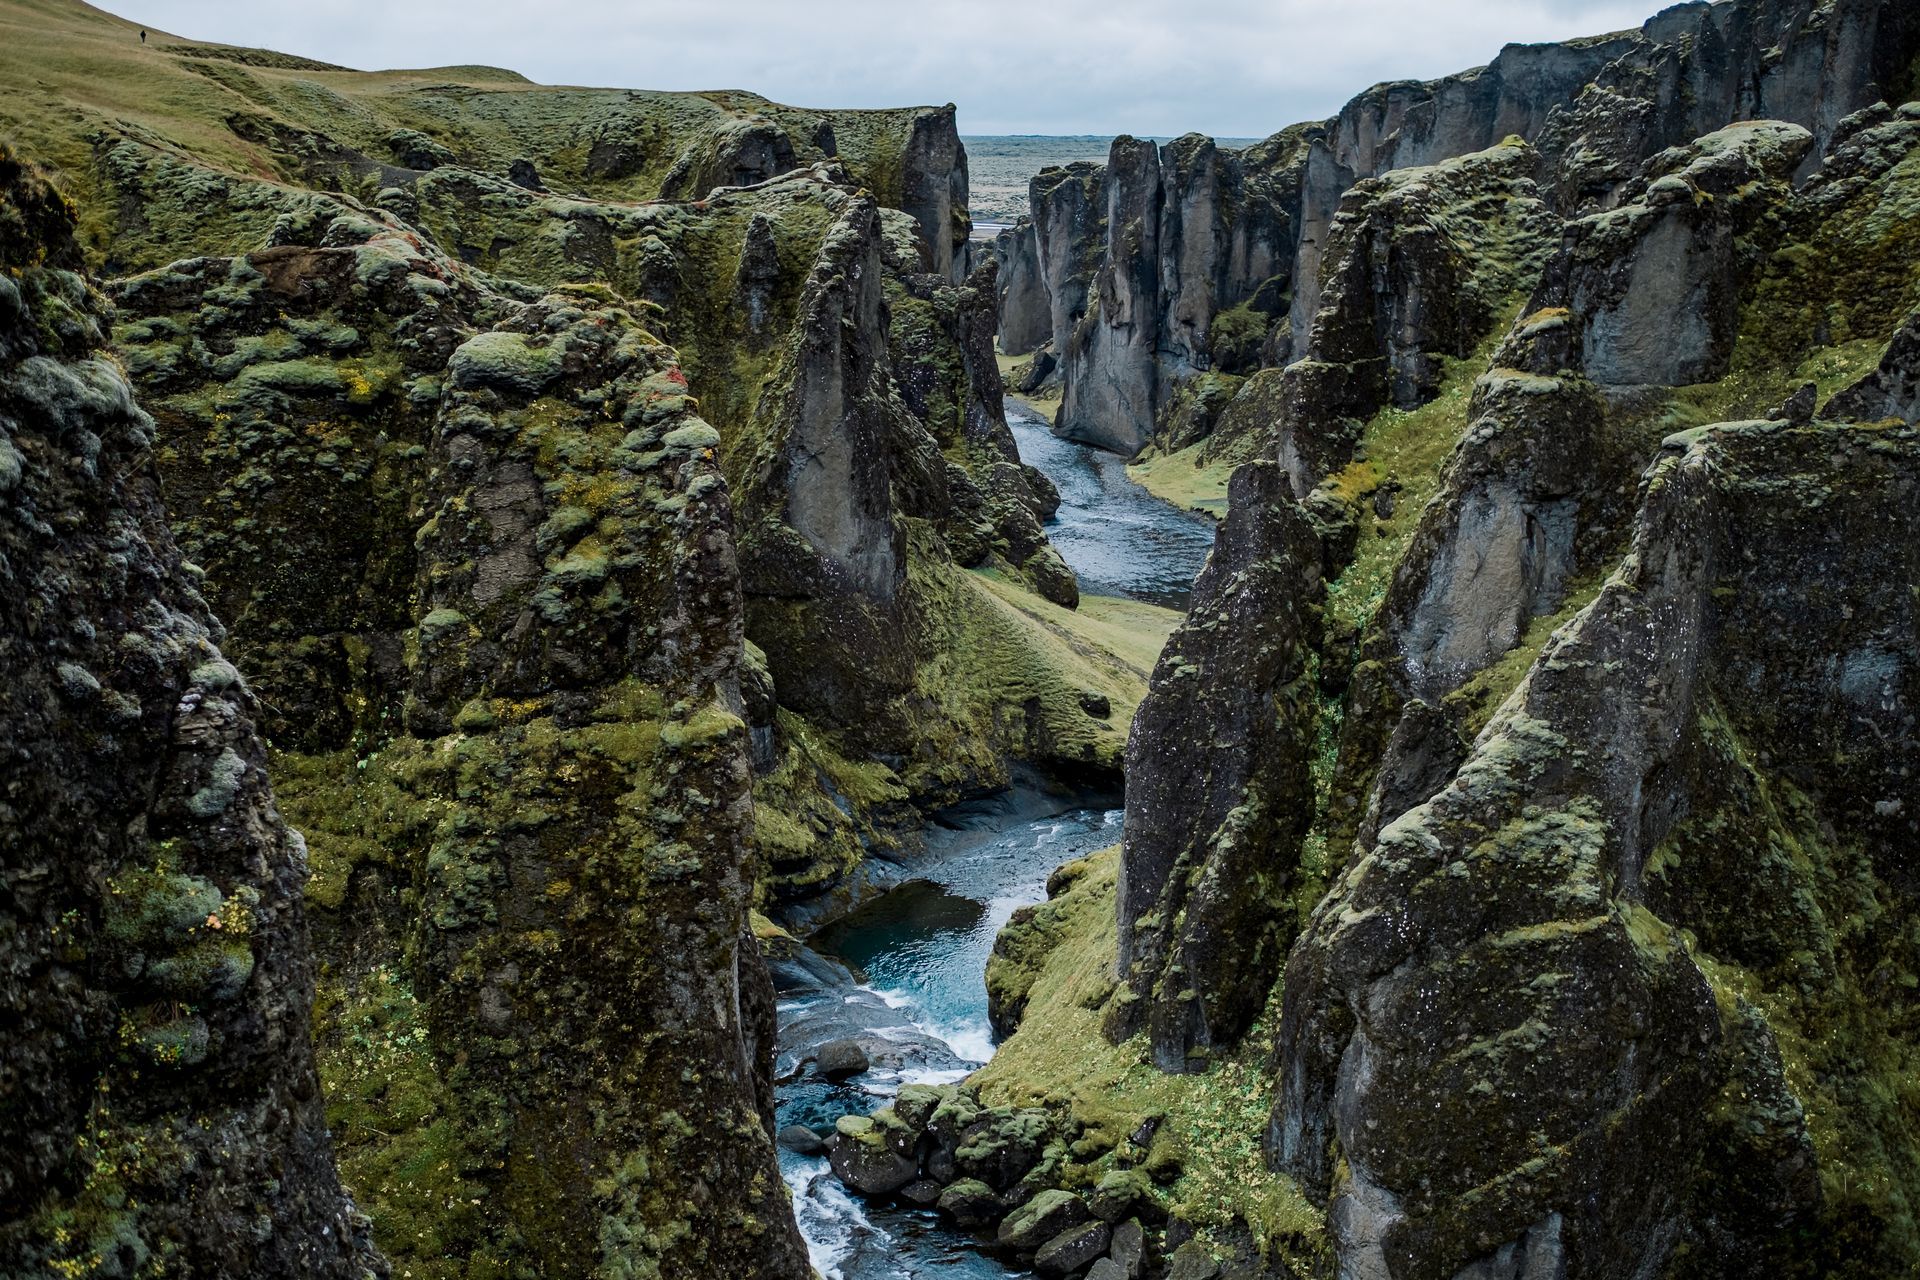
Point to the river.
(904, 973)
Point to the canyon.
(570, 717)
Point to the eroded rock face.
(1890, 391)
(1418, 265)
(525, 625)
(158, 1099)
(1218, 789)
(1026, 317)
(1656, 280)
(1190, 232)
(1482, 1111)
(1596, 111)
(578, 647)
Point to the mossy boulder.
(1041, 1220)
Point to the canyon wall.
(590, 482)
(1521, 813)
(1212, 263)
(161, 1108)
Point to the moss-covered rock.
(158, 1099)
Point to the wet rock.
(923, 1192)
(840, 1060)
(864, 1161)
(802, 1140)
(1107, 1269)
(971, 1203)
(1043, 1219)
(1072, 1249)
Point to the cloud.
(1062, 66)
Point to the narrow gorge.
(605, 684)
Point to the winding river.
(904, 973)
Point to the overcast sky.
(1231, 68)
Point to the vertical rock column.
(159, 1108)
(582, 941)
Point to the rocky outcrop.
(578, 646)
(1656, 281)
(989, 1170)
(1599, 733)
(1890, 391)
(1025, 306)
(158, 1098)
(1595, 110)
(1191, 232)
(491, 539)
(1218, 785)
(1483, 1113)
(1697, 67)
(1418, 266)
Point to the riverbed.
(904, 974)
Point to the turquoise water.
(905, 973)
(923, 949)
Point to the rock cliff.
(570, 645)
(1557, 668)
(1214, 262)
(161, 1109)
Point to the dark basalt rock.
(863, 1159)
(802, 1140)
(1890, 391)
(1218, 783)
(971, 1203)
(1416, 1035)
(839, 1060)
(158, 1100)
(1656, 280)
(1043, 1219)
(1197, 237)
(1072, 1249)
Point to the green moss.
(1207, 1139)
(418, 1168)
(1408, 448)
(1186, 479)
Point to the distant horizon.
(1076, 69)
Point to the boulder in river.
(798, 1138)
(840, 1060)
(970, 1202)
(862, 1158)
